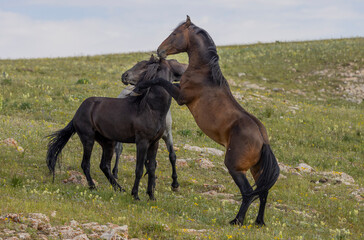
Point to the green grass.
(304, 122)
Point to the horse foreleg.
(118, 151)
(174, 90)
(142, 148)
(151, 167)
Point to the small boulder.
(305, 168)
(205, 163)
(181, 163)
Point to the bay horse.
(132, 76)
(207, 95)
(135, 119)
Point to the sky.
(62, 28)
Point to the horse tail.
(56, 143)
(269, 171)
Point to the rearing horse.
(207, 95)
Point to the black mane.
(151, 73)
(217, 76)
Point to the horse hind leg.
(85, 165)
(168, 139)
(118, 151)
(142, 148)
(151, 167)
(245, 188)
(237, 162)
(105, 164)
(263, 200)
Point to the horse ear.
(188, 21)
(152, 59)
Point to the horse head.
(177, 41)
(140, 70)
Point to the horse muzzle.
(124, 78)
(162, 53)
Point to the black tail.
(56, 143)
(269, 171)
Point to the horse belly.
(215, 124)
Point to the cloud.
(50, 28)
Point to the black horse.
(132, 76)
(135, 119)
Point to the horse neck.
(159, 99)
(198, 52)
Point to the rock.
(278, 89)
(166, 227)
(194, 230)
(74, 224)
(181, 163)
(11, 142)
(231, 201)
(212, 151)
(216, 187)
(305, 168)
(359, 194)
(214, 193)
(24, 236)
(81, 237)
(8, 231)
(69, 232)
(116, 233)
(241, 74)
(205, 163)
(232, 82)
(253, 86)
(339, 176)
(286, 168)
(77, 178)
(39, 216)
(42, 237)
(12, 238)
(39, 224)
(281, 176)
(14, 217)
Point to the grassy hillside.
(308, 94)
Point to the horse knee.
(172, 157)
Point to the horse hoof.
(136, 198)
(235, 221)
(93, 188)
(259, 223)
